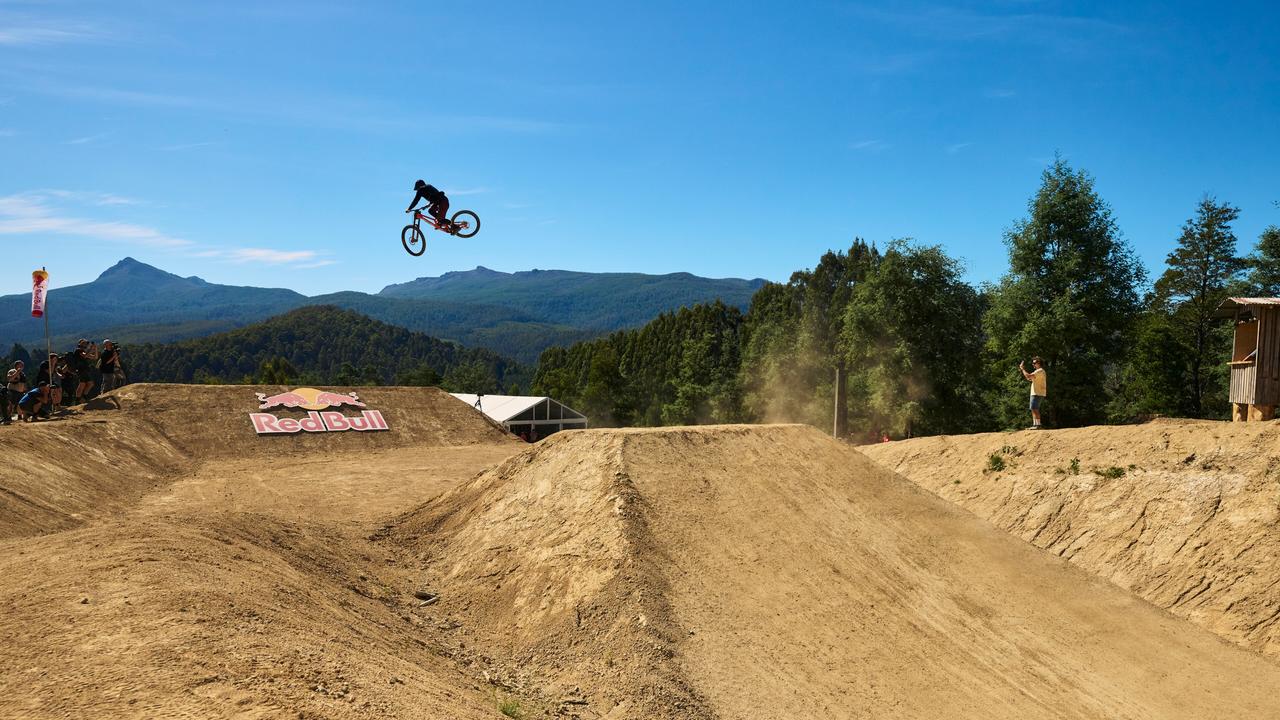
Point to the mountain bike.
(463, 224)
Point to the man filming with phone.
(1039, 388)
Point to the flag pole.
(48, 343)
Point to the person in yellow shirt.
(1039, 388)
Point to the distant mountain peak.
(135, 269)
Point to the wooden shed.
(1255, 357)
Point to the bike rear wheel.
(413, 240)
(471, 219)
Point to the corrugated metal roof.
(502, 408)
(1251, 301)
(1228, 307)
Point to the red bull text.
(313, 401)
(268, 424)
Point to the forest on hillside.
(319, 345)
(926, 353)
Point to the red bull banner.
(39, 287)
(318, 418)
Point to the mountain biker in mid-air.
(438, 204)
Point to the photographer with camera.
(112, 368)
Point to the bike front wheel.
(413, 240)
(467, 223)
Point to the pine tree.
(1070, 296)
(1200, 270)
(1264, 264)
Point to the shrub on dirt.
(1111, 473)
(511, 708)
(995, 462)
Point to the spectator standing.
(112, 371)
(86, 360)
(6, 408)
(70, 378)
(1039, 388)
(16, 383)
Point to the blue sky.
(276, 143)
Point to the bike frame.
(419, 215)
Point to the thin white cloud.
(111, 199)
(269, 256)
(185, 146)
(7, 132)
(957, 147)
(306, 111)
(40, 212)
(1000, 93)
(31, 35)
(94, 198)
(33, 214)
(299, 259)
(86, 139)
(869, 145)
(466, 191)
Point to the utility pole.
(840, 427)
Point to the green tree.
(347, 375)
(421, 376)
(912, 343)
(19, 353)
(1156, 374)
(472, 377)
(1264, 264)
(1200, 270)
(792, 338)
(1070, 296)
(604, 399)
(276, 371)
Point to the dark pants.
(439, 211)
(111, 380)
(4, 406)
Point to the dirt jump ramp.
(104, 456)
(1181, 513)
(769, 571)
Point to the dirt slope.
(1193, 525)
(104, 457)
(232, 576)
(743, 572)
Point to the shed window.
(1246, 345)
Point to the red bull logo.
(313, 401)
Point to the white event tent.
(535, 417)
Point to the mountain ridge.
(515, 314)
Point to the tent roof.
(504, 407)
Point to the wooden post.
(841, 425)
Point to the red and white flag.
(39, 287)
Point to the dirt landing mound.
(219, 615)
(103, 457)
(1183, 513)
(771, 572)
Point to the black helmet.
(419, 185)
